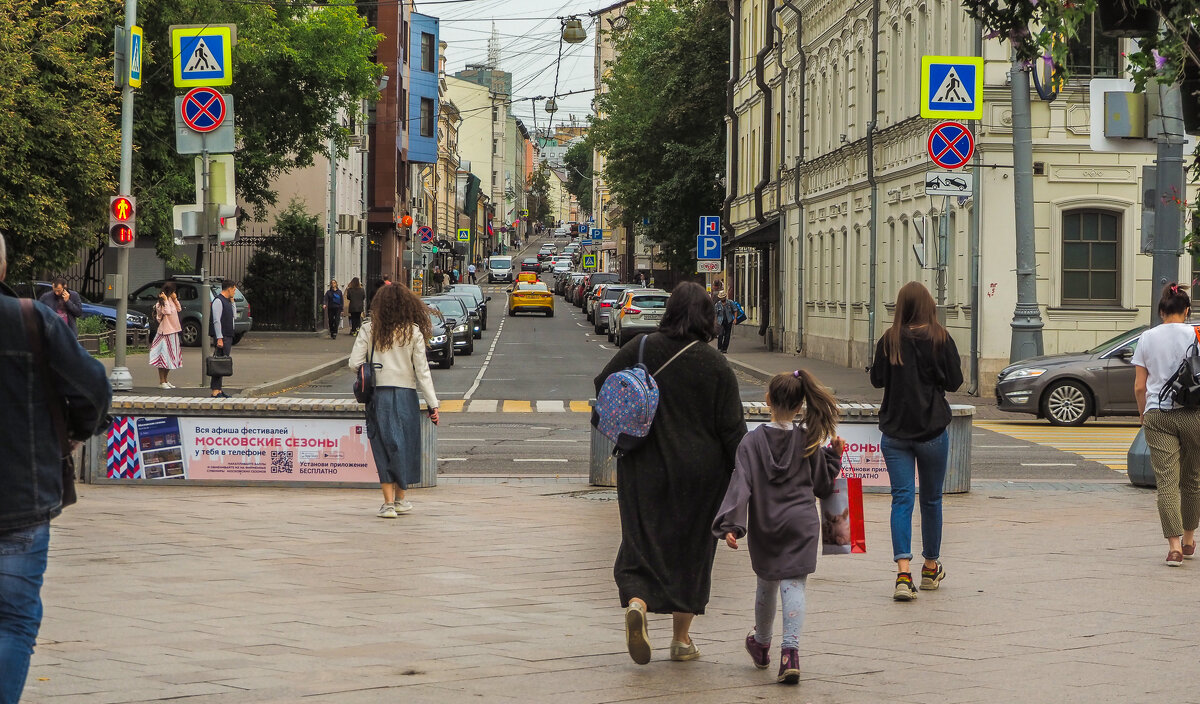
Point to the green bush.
(92, 325)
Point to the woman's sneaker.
(789, 666)
(905, 589)
(760, 654)
(386, 511)
(402, 506)
(931, 578)
(637, 639)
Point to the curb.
(297, 379)
(761, 375)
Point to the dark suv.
(188, 288)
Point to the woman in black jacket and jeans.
(915, 364)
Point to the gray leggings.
(792, 591)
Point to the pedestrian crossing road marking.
(1106, 444)
(484, 405)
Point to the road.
(519, 406)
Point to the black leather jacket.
(31, 472)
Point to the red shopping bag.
(843, 530)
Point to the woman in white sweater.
(394, 339)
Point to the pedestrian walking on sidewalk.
(356, 299)
(54, 395)
(220, 329)
(1172, 431)
(670, 487)
(394, 340)
(333, 305)
(726, 319)
(916, 363)
(781, 470)
(471, 273)
(165, 352)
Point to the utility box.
(1124, 115)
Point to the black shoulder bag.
(364, 378)
(34, 334)
(1184, 386)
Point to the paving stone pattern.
(504, 593)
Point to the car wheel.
(189, 335)
(238, 337)
(447, 362)
(611, 337)
(478, 335)
(469, 349)
(597, 328)
(550, 313)
(1067, 403)
(621, 340)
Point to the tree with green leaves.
(539, 194)
(662, 120)
(58, 121)
(300, 73)
(579, 160)
(281, 276)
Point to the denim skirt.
(394, 429)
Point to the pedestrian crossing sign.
(464, 234)
(202, 54)
(589, 261)
(952, 87)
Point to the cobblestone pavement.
(504, 592)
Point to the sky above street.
(529, 43)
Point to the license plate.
(652, 316)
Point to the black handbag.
(218, 365)
(364, 378)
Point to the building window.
(1093, 55)
(427, 117)
(1091, 258)
(495, 113)
(428, 56)
(495, 146)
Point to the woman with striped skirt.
(164, 351)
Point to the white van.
(500, 269)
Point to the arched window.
(1091, 257)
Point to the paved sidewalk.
(504, 593)
(748, 355)
(263, 362)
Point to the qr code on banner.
(281, 461)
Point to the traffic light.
(227, 223)
(121, 214)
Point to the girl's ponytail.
(821, 411)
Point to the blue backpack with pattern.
(627, 402)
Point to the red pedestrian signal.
(122, 211)
(121, 235)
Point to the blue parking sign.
(708, 247)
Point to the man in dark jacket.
(65, 302)
(31, 474)
(220, 329)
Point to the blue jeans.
(22, 564)
(905, 460)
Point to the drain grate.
(594, 495)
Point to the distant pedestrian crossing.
(1106, 444)
(484, 405)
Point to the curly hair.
(394, 311)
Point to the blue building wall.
(423, 85)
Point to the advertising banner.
(863, 459)
(239, 449)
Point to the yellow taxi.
(526, 297)
(527, 277)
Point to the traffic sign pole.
(1027, 316)
(205, 240)
(120, 378)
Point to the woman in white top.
(394, 339)
(1172, 432)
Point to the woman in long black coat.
(669, 489)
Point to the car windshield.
(1117, 341)
(465, 296)
(531, 261)
(612, 293)
(525, 286)
(505, 264)
(451, 307)
(436, 317)
(656, 301)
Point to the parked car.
(571, 286)
(133, 319)
(1068, 389)
(439, 348)
(458, 319)
(500, 269)
(589, 301)
(527, 297)
(639, 310)
(531, 264)
(608, 297)
(188, 288)
(476, 291)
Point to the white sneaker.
(165, 385)
(386, 511)
(402, 506)
(170, 385)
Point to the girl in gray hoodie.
(780, 470)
